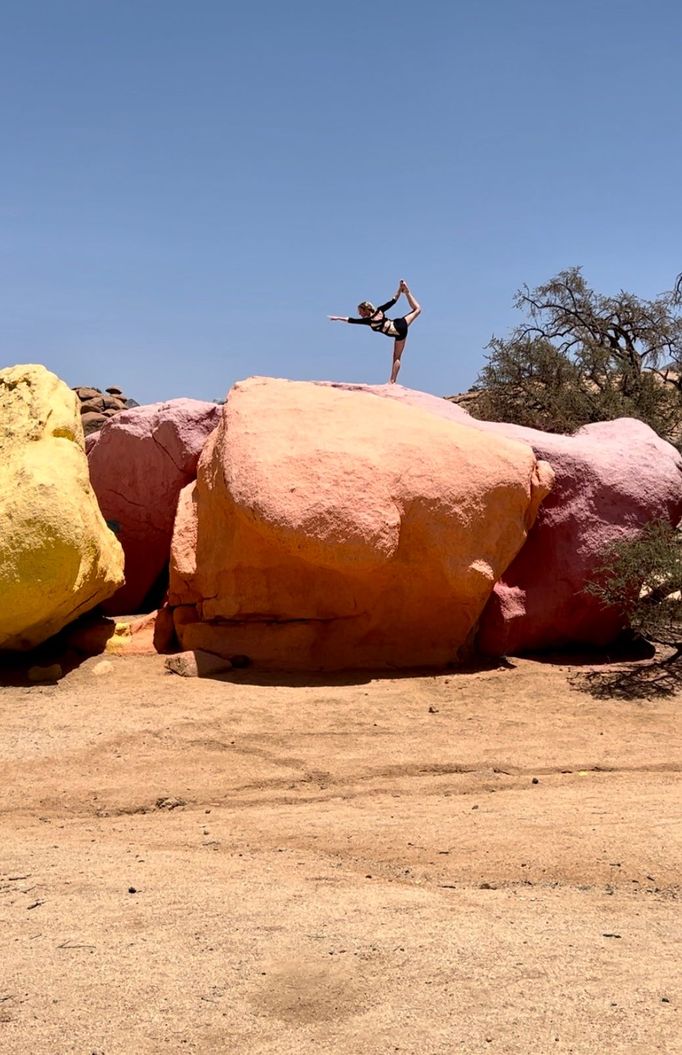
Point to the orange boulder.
(332, 530)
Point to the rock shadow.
(299, 679)
(45, 665)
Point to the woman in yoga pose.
(376, 319)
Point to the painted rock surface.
(139, 462)
(611, 478)
(58, 559)
(330, 530)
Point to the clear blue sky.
(187, 189)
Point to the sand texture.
(476, 862)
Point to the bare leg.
(397, 352)
(416, 307)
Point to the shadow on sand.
(650, 680)
(50, 662)
(299, 679)
(631, 669)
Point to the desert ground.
(485, 861)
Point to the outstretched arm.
(346, 318)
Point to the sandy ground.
(482, 862)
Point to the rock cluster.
(312, 525)
(611, 478)
(96, 407)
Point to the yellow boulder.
(58, 558)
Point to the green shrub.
(643, 577)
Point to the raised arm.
(393, 300)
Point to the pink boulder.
(611, 479)
(139, 462)
(328, 530)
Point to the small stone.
(486, 886)
(105, 666)
(665, 1000)
(169, 803)
(51, 673)
(197, 664)
(433, 710)
(132, 890)
(535, 780)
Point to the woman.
(376, 319)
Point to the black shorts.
(401, 327)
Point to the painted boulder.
(611, 478)
(329, 530)
(139, 462)
(58, 559)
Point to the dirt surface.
(482, 862)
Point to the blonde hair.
(368, 306)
